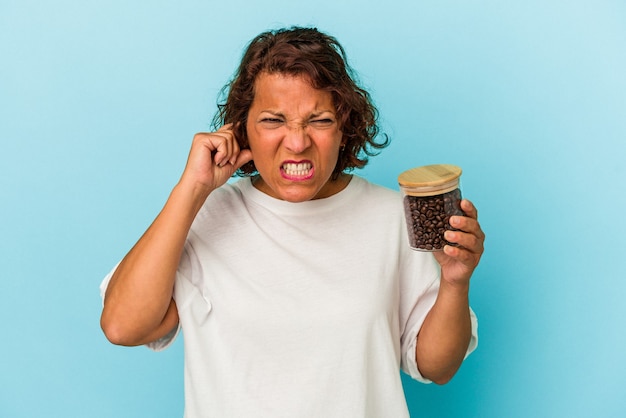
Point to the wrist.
(194, 191)
(456, 288)
(189, 197)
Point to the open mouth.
(297, 171)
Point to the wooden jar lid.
(430, 179)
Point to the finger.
(234, 129)
(225, 127)
(469, 209)
(218, 142)
(234, 148)
(467, 233)
(470, 242)
(462, 255)
(211, 139)
(466, 224)
(243, 157)
(452, 251)
(469, 256)
(235, 152)
(222, 142)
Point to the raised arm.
(138, 304)
(446, 332)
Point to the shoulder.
(375, 192)
(379, 203)
(228, 194)
(225, 200)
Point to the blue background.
(98, 105)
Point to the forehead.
(289, 91)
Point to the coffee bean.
(428, 217)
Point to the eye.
(271, 123)
(324, 122)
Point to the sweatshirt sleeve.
(416, 300)
(158, 345)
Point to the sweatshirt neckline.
(330, 203)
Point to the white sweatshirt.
(301, 310)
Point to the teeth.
(299, 169)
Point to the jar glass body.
(428, 210)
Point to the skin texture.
(445, 334)
(138, 304)
(289, 122)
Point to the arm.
(445, 334)
(138, 304)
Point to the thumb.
(245, 156)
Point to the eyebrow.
(275, 113)
(311, 116)
(320, 113)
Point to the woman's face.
(294, 137)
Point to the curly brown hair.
(305, 51)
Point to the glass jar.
(431, 194)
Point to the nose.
(297, 139)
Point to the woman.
(295, 287)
